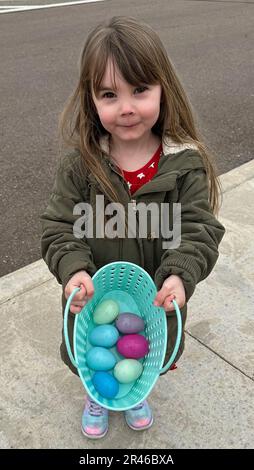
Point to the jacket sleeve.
(201, 234)
(61, 250)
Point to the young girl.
(134, 140)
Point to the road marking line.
(16, 9)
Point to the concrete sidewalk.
(208, 402)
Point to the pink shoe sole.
(141, 428)
(93, 436)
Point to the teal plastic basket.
(134, 290)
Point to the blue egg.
(104, 335)
(105, 384)
(100, 359)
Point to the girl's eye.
(108, 94)
(141, 89)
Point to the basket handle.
(178, 339)
(66, 336)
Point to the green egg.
(106, 312)
(128, 370)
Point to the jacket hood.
(176, 161)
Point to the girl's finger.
(89, 287)
(161, 296)
(74, 309)
(78, 296)
(80, 303)
(81, 294)
(168, 304)
(169, 307)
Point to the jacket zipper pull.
(134, 204)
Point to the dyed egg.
(100, 359)
(104, 335)
(129, 323)
(128, 370)
(105, 312)
(105, 384)
(133, 346)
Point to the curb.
(237, 176)
(23, 280)
(37, 273)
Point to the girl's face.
(128, 113)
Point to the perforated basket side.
(133, 280)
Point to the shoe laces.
(138, 407)
(94, 409)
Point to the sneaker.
(140, 417)
(94, 420)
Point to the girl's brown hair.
(137, 51)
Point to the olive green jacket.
(181, 178)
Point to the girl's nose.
(126, 108)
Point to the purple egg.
(133, 346)
(129, 323)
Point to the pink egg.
(133, 346)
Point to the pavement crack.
(16, 294)
(220, 356)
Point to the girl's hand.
(84, 281)
(172, 288)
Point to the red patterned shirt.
(136, 179)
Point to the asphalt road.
(210, 44)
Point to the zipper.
(120, 249)
(134, 206)
(112, 166)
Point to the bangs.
(135, 68)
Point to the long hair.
(138, 53)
